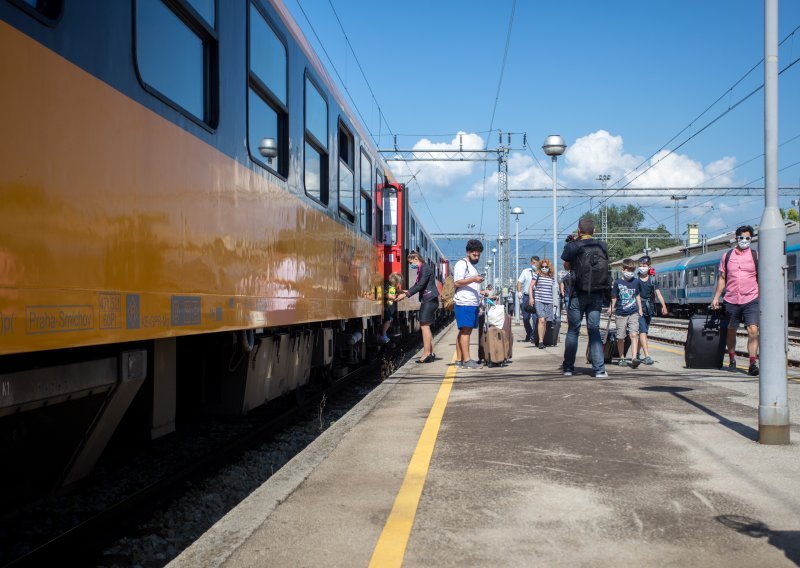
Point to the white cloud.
(601, 153)
(440, 174)
(523, 173)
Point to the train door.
(393, 227)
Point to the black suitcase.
(611, 347)
(705, 341)
(550, 333)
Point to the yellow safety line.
(391, 545)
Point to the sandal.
(429, 359)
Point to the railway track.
(83, 542)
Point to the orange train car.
(192, 221)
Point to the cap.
(644, 260)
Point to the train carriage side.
(204, 196)
(671, 277)
(701, 274)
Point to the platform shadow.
(786, 541)
(741, 429)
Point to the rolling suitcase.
(705, 341)
(495, 345)
(610, 348)
(509, 337)
(551, 332)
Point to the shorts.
(627, 326)
(388, 312)
(427, 312)
(742, 312)
(644, 324)
(544, 310)
(466, 316)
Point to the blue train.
(688, 283)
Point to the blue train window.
(366, 194)
(267, 110)
(174, 58)
(347, 194)
(315, 172)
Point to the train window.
(267, 114)
(366, 194)
(175, 56)
(695, 277)
(703, 273)
(316, 144)
(347, 193)
(791, 266)
(206, 9)
(49, 9)
(316, 114)
(378, 206)
(390, 216)
(412, 233)
(267, 56)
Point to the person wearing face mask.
(649, 292)
(523, 289)
(466, 301)
(425, 286)
(738, 277)
(540, 294)
(626, 297)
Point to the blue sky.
(617, 80)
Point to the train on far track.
(688, 283)
(193, 221)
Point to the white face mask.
(744, 245)
(545, 269)
(627, 275)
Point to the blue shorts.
(466, 316)
(644, 323)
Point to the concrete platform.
(520, 466)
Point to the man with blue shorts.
(466, 301)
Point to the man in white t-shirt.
(466, 301)
(523, 285)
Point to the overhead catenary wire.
(344, 85)
(494, 107)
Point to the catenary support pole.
(773, 404)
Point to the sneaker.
(459, 364)
(384, 339)
(601, 375)
(635, 363)
(648, 360)
(541, 345)
(623, 363)
(567, 373)
(732, 365)
(753, 370)
(470, 365)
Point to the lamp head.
(517, 211)
(554, 145)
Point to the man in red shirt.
(738, 276)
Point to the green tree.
(624, 224)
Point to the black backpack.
(590, 267)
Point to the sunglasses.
(747, 239)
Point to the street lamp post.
(494, 265)
(516, 211)
(490, 264)
(554, 146)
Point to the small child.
(395, 281)
(628, 291)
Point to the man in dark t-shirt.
(581, 303)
